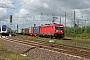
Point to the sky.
(26, 13)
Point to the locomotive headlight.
(56, 30)
(61, 31)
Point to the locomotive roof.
(4, 26)
(53, 24)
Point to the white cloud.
(23, 12)
(6, 4)
(3, 13)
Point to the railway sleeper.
(60, 50)
(80, 54)
(87, 57)
(58, 46)
(69, 52)
(75, 52)
(85, 53)
(65, 51)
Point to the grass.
(34, 38)
(6, 54)
(58, 41)
(80, 36)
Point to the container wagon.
(26, 31)
(31, 31)
(36, 31)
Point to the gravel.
(36, 53)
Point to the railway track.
(70, 50)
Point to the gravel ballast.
(36, 53)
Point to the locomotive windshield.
(59, 27)
(3, 29)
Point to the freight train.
(52, 30)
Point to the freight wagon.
(36, 31)
(31, 31)
(26, 31)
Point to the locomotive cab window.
(3, 29)
(59, 27)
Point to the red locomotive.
(53, 30)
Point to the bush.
(80, 32)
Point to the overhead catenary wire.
(35, 9)
(29, 1)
